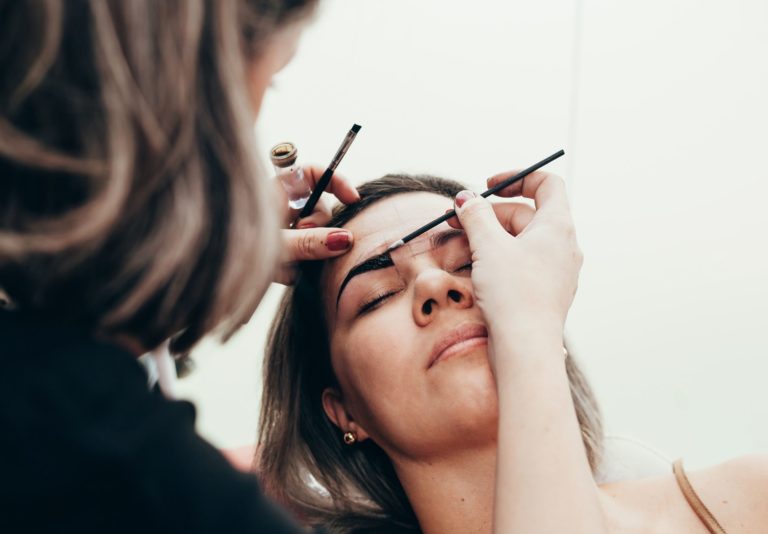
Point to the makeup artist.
(132, 211)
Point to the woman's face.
(408, 342)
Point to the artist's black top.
(86, 447)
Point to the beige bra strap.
(694, 501)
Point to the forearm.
(543, 481)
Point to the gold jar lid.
(283, 155)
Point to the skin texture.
(440, 424)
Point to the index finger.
(545, 188)
(513, 216)
(338, 186)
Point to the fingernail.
(338, 241)
(463, 196)
(303, 226)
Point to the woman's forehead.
(390, 219)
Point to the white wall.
(662, 110)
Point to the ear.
(338, 414)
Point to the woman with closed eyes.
(426, 389)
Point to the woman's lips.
(457, 341)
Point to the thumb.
(316, 243)
(477, 217)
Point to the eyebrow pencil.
(495, 189)
(326, 177)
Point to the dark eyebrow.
(441, 238)
(382, 261)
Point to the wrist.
(519, 334)
(533, 370)
(515, 348)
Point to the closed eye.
(465, 267)
(374, 303)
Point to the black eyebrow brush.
(495, 189)
(325, 179)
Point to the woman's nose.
(435, 291)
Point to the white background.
(662, 107)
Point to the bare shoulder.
(736, 492)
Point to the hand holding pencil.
(526, 261)
(525, 270)
(310, 239)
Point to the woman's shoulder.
(741, 472)
(735, 492)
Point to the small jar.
(290, 174)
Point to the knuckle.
(469, 212)
(474, 217)
(476, 207)
(306, 245)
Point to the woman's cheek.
(380, 344)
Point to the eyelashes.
(382, 296)
(374, 303)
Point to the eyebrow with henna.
(380, 261)
(384, 260)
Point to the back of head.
(302, 459)
(130, 200)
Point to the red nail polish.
(338, 241)
(463, 196)
(304, 226)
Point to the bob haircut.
(299, 446)
(131, 204)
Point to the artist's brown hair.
(131, 203)
(299, 445)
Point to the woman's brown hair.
(302, 458)
(131, 203)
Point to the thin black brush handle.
(416, 233)
(533, 168)
(495, 189)
(322, 183)
(325, 179)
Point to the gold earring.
(350, 438)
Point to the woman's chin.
(467, 385)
